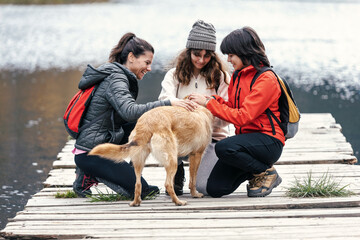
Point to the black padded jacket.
(113, 101)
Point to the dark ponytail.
(129, 43)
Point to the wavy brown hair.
(211, 71)
(129, 43)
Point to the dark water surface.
(32, 131)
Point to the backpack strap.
(258, 73)
(271, 116)
(103, 115)
(268, 112)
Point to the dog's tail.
(115, 152)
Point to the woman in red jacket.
(251, 153)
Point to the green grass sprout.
(151, 196)
(114, 197)
(325, 186)
(107, 197)
(67, 194)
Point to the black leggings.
(240, 157)
(121, 174)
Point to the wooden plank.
(46, 214)
(159, 174)
(290, 156)
(310, 227)
(242, 203)
(218, 233)
(65, 177)
(61, 225)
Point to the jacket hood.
(94, 76)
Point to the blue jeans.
(240, 157)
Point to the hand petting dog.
(199, 99)
(185, 103)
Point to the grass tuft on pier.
(67, 194)
(325, 186)
(107, 197)
(113, 197)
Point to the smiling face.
(235, 61)
(140, 65)
(199, 59)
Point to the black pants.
(240, 157)
(119, 173)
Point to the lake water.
(315, 45)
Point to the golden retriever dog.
(167, 132)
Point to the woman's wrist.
(206, 101)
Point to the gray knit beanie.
(202, 36)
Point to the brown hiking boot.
(263, 183)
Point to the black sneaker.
(116, 188)
(83, 183)
(150, 193)
(179, 180)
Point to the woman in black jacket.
(116, 94)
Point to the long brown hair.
(129, 43)
(211, 71)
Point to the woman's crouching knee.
(215, 191)
(222, 150)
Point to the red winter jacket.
(246, 109)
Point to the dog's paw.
(198, 195)
(134, 204)
(181, 203)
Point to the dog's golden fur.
(167, 132)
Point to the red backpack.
(76, 111)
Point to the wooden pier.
(319, 147)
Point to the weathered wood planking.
(279, 228)
(315, 149)
(344, 173)
(319, 141)
(109, 212)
